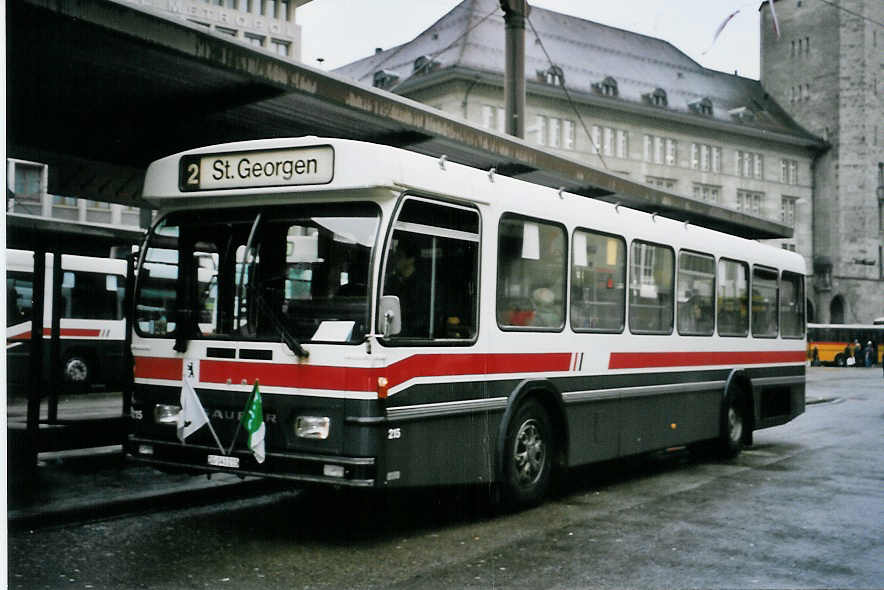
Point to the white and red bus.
(415, 322)
(91, 324)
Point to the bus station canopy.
(97, 89)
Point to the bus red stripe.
(148, 367)
(79, 332)
(69, 332)
(361, 379)
(641, 360)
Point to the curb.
(190, 494)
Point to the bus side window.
(733, 298)
(598, 282)
(651, 285)
(696, 294)
(19, 292)
(530, 274)
(765, 291)
(792, 305)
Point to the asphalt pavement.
(85, 484)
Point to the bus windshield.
(272, 273)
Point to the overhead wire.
(568, 94)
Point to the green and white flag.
(253, 422)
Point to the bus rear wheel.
(528, 456)
(76, 370)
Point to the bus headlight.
(166, 413)
(315, 427)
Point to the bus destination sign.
(254, 169)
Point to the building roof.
(471, 37)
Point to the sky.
(337, 32)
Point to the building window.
(258, 41)
(706, 192)
(622, 144)
(607, 87)
(657, 97)
(226, 31)
(98, 205)
(668, 183)
(661, 150)
(610, 141)
(568, 134)
(280, 47)
(28, 181)
(749, 164)
(787, 210)
(750, 202)
(556, 132)
(705, 157)
(424, 65)
(64, 201)
(789, 171)
(493, 117)
(702, 106)
(554, 76)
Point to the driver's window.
(432, 267)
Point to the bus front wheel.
(734, 422)
(528, 456)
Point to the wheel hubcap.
(76, 371)
(734, 424)
(529, 453)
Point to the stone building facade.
(634, 104)
(827, 70)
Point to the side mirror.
(390, 316)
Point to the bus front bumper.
(301, 467)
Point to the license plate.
(223, 461)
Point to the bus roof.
(248, 172)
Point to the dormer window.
(657, 98)
(607, 87)
(385, 79)
(425, 64)
(744, 114)
(554, 76)
(702, 106)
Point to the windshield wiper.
(279, 324)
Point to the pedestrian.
(815, 360)
(867, 354)
(857, 354)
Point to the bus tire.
(839, 360)
(528, 456)
(734, 423)
(76, 370)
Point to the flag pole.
(217, 440)
(239, 422)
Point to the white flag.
(192, 416)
